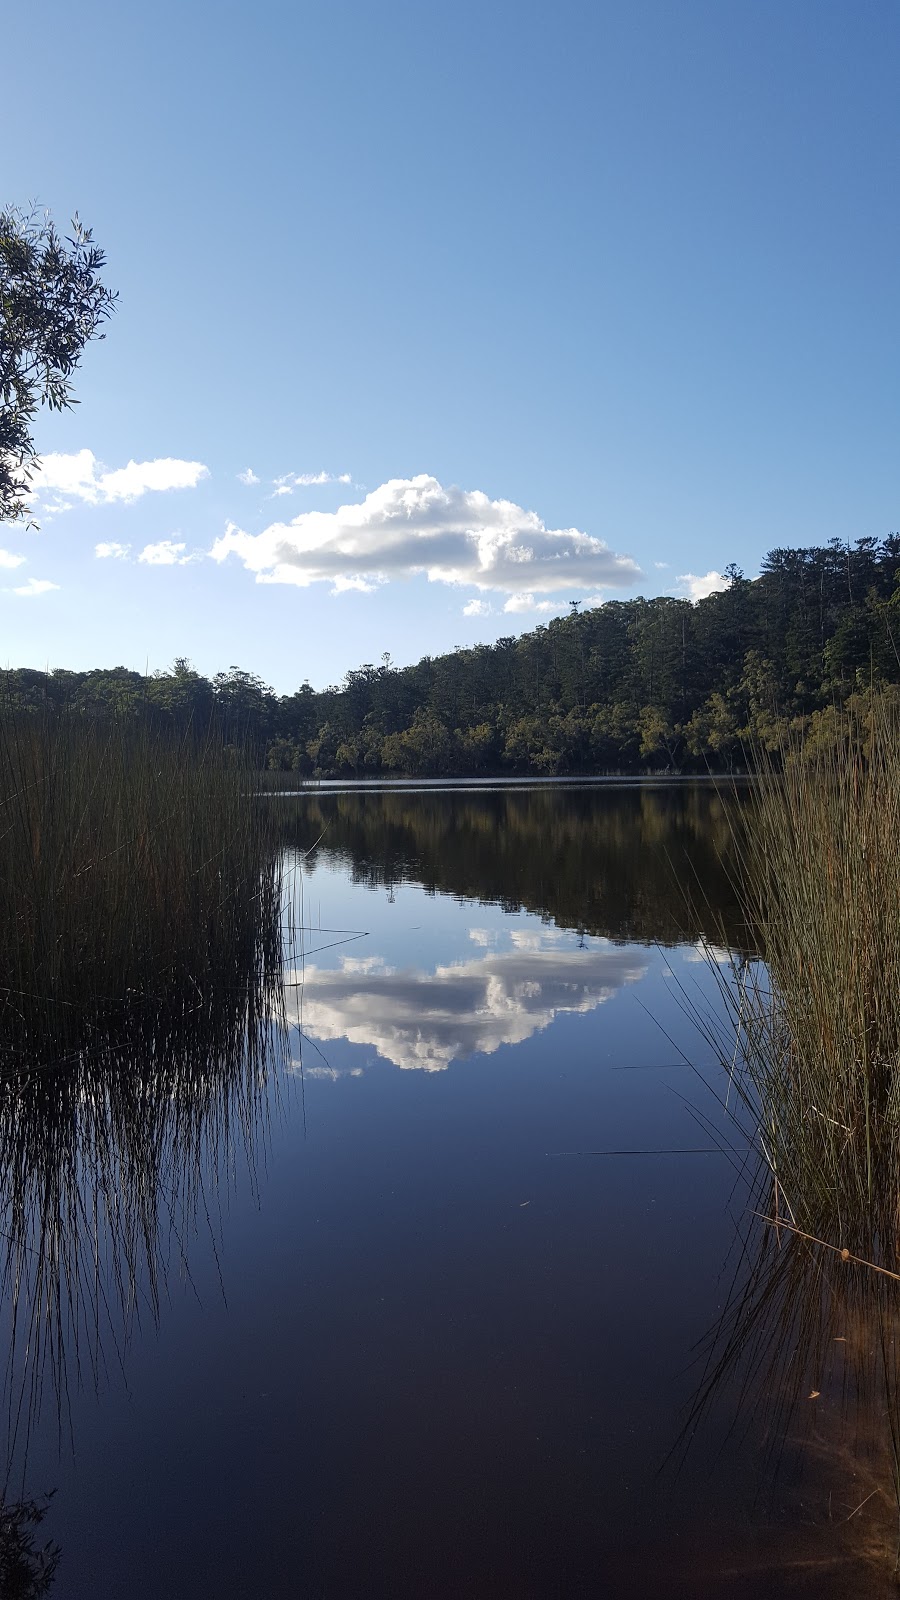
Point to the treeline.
(630, 685)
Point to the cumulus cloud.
(81, 476)
(478, 608)
(698, 588)
(425, 1019)
(166, 553)
(8, 559)
(112, 551)
(249, 477)
(414, 525)
(35, 586)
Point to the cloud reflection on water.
(422, 1019)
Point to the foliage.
(52, 302)
(659, 685)
(27, 1570)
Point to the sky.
(435, 318)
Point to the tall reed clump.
(809, 1035)
(140, 1025)
(136, 872)
(815, 1046)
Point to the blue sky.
(577, 300)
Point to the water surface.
(424, 1313)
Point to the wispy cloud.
(694, 588)
(8, 559)
(289, 481)
(415, 525)
(34, 587)
(112, 550)
(248, 477)
(166, 553)
(478, 608)
(81, 476)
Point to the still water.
(415, 1298)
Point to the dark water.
(412, 1303)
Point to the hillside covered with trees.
(630, 685)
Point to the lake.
(421, 1293)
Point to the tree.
(51, 303)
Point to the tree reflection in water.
(648, 863)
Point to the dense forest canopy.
(630, 685)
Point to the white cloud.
(527, 602)
(249, 477)
(661, 564)
(478, 608)
(414, 525)
(289, 481)
(698, 588)
(7, 559)
(343, 585)
(428, 1019)
(167, 553)
(35, 586)
(112, 550)
(483, 936)
(81, 477)
(544, 939)
(364, 964)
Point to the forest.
(658, 685)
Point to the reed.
(140, 1014)
(136, 872)
(813, 1039)
(808, 1033)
